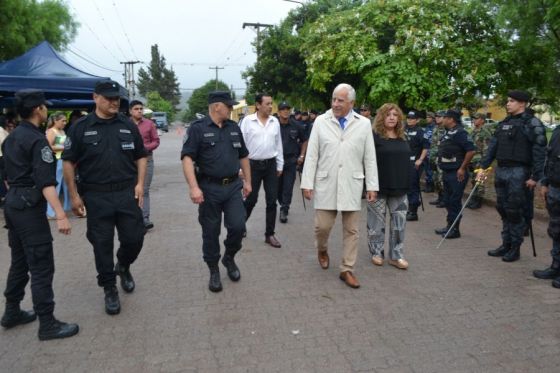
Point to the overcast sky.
(193, 35)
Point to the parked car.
(160, 119)
(467, 121)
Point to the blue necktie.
(342, 122)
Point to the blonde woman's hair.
(54, 117)
(379, 121)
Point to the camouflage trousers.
(511, 201)
(437, 176)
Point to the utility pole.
(257, 26)
(216, 68)
(129, 82)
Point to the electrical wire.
(109, 30)
(91, 62)
(124, 31)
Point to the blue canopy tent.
(42, 68)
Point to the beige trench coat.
(337, 161)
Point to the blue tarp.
(42, 68)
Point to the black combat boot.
(232, 269)
(440, 204)
(14, 316)
(437, 200)
(51, 328)
(475, 203)
(283, 215)
(443, 230)
(512, 255)
(412, 213)
(500, 251)
(549, 273)
(556, 283)
(454, 232)
(112, 302)
(127, 281)
(215, 283)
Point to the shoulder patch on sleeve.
(47, 155)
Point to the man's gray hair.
(347, 87)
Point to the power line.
(108, 29)
(91, 62)
(124, 31)
(95, 35)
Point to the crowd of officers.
(224, 163)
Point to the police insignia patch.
(47, 155)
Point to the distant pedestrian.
(340, 154)
(56, 138)
(30, 171)
(393, 160)
(261, 132)
(107, 151)
(216, 146)
(151, 140)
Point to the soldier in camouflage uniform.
(481, 136)
(437, 133)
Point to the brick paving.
(454, 310)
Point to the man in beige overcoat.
(340, 154)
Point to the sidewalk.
(454, 310)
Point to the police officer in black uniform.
(294, 144)
(519, 145)
(419, 145)
(108, 152)
(215, 144)
(30, 172)
(455, 152)
(550, 191)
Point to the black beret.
(519, 95)
(107, 88)
(284, 105)
(31, 98)
(221, 96)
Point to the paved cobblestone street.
(454, 310)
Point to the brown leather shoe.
(323, 259)
(399, 263)
(349, 279)
(272, 241)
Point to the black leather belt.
(262, 161)
(218, 180)
(508, 163)
(114, 187)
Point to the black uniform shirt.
(455, 143)
(28, 158)
(417, 139)
(293, 134)
(215, 150)
(105, 150)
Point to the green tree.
(158, 78)
(418, 54)
(26, 23)
(157, 103)
(198, 102)
(532, 28)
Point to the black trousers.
(30, 240)
(286, 183)
(218, 199)
(453, 194)
(264, 172)
(105, 212)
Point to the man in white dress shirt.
(340, 155)
(261, 132)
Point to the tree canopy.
(198, 102)
(159, 78)
(26, 23)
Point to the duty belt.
(114, 187)
(262, 161)
(218, 180)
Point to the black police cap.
(221, 96)
(107, 88)
(455, 114)
(412, 115)
(314, 111)
(519, 95)
(31, 98)
(284, 105)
